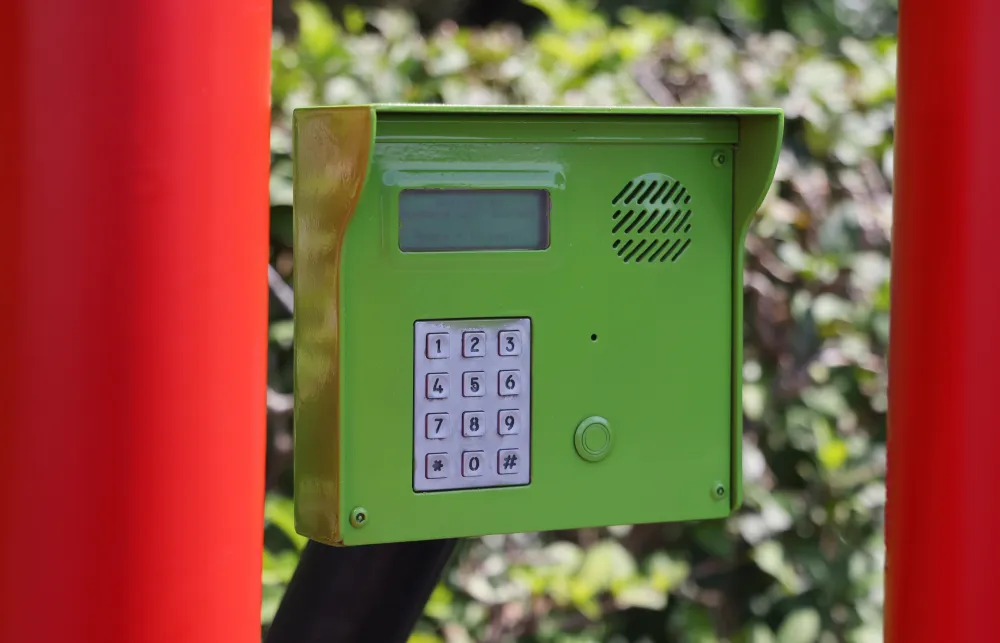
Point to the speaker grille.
(651, 220)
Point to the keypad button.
(437, 346)
(473, 463)
(473, 424)
(437, 386)
(438, 426)
(437, 465)
(508, 461)
(509, 383)
(509, 422)
(509, 342)
(474, 384)
(474, 344)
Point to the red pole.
(943, 564)
(134, 305)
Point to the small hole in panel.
(593, 337)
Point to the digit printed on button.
(509, 422)
(437, 426)
(474, 384)
(473, 424)
(509, 383)
(474, 344)
(508, 461)
(437, 346)
(437, 386)
(436, 465)
(509, 343)
(473, 463)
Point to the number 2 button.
(510, 382)
(437, 386)
(473, 344)
(510, 342)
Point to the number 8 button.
(510, 382)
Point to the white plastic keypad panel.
(471, 404)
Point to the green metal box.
(519, 318)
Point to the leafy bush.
(802, 561)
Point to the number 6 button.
(510, 342)
(510, 382)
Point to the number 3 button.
(510, 342)
(510, 382)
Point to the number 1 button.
(510, 342)
(437, 386)
(437, 345)
(473, 344)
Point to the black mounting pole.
(364, 594)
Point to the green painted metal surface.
(636, 325)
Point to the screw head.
(359, 517)
(718, 158)
(718, 491)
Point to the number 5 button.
(510, 342)
(510, 382)
(473, 384)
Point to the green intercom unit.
(519, 318)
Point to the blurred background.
(802, 560)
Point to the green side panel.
(634, 318)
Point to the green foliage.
(802, 561)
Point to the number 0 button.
(510, 342)
(473, 463)
(473, 344)
(510, 383)
(437, 386)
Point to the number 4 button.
(510, 342)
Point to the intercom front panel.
(535, 325)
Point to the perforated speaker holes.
(651, 220)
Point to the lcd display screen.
(464, 220)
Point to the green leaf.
(801, 626)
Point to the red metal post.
(943, 565)
(134, 305)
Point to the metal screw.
(359, 517)
(718, 491)
(719, 159)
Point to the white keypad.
(478, 435)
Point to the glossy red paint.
(135, 320)
(944, 436)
